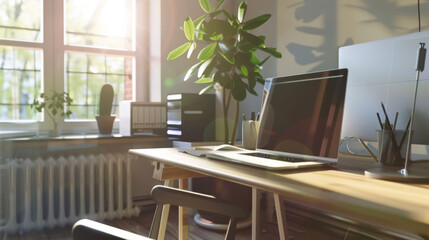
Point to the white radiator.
(46, 193)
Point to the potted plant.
(105, 120)
(227, 62)
(53, 102)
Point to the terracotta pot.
(105, 124)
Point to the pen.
(394, 122)
(405, 133)
(387, 117)
(367, 148)
(379, 121)
(396, 151)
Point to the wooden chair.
(87, 229)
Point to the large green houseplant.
(227, 61)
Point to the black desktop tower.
(191, 117)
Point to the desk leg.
(183, 213)
(281, 217)
(256, 205)
(164, 215)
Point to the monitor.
(385, 71)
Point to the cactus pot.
(105, 124)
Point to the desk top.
(403, 208)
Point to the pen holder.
(390, 154)
(249, 133)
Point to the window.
(70, 45)
(20, 77)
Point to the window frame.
(53, 49)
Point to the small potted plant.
(54, 103)
(104, 119)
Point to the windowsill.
(4, 134)
(44, 146)
(32, 136)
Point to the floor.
(141, 225)
(298, 227)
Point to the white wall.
(311, 31)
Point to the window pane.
(20, 20)
(100, 23)
(20, 81)
(84, 82)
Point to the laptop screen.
(303, 114)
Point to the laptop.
(300, 124)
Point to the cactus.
(106, 100)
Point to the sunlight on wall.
(311, 31)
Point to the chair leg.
(165, 211)
(256, 206)
(232, 227)
(183, 213)
(156, 222)
(281, 217)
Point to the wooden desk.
(383, 205)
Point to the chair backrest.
(88, 229)
(177, 197)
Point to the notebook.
(300, 124)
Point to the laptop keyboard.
(275, 157)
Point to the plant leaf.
(252, 91)
(263, 61)
(271, 51)
(192, 70)
(189, 29)
(256, 22)
(255, 60)
(198, 21)
(216, 37)
(242, 10)
(215, 13)
(217, 26)
(206, 89)
(218, 4)
(244, 71)
(259, 78)
(254, 40)
(228, 57)
(204, 80)
(191, 49)
(223, 79)
(207, 52)
(229, 16)
(251, 80)
(239, 90)
(223, 47)
(204, 66)
(205, 5)
(179, 51)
